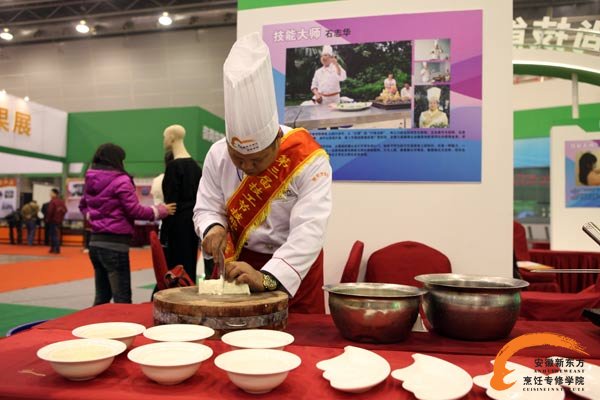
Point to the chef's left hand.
(242, 272)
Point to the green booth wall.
(140, 133)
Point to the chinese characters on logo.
(585, 37)
(211, 135)
(308, 33)
(555, 372)
(21, 125)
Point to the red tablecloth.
(569, 283)
(25, 376)
(319, 330)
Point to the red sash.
(250, 204)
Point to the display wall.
(140, 133)
(167, 69)
(470, 222)
(572, 203)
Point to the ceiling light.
(6, 35)
(26, 98)
(3, 92)
(82, 27)
(165, 19)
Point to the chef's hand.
(214, 241)
(334, 60)
(242, 272)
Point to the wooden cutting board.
(223, 313)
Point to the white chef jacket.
(404, 92)
(156, 190)
(425, 76)
(294, 230)
(326, 79)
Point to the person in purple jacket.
(110, 204)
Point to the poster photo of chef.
(341, 82)
(432, 50)
(375, 91)
(430, 72)
(582, 173)
(432, 106)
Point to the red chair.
(401, 262)
(350, 274)
(545, 282)
(159, 262)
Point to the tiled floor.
(50, 301)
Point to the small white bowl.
(170, 363)
(122, 331)
(257, 370)
(81, 359)
(179, 333)
(257, 339)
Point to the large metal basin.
(374, 312)
(471, 307)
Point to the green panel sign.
(252, 4)
(140, 133)
(537, 123)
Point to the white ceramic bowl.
(81, 359)
(257, 370)
(257, 339)
(122, 331)
(170, 363)
(179, 333)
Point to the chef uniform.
(425, 75)
(327, 80)
(405, 94)
(276, 220)
(436, 118)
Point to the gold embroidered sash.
(250, 204)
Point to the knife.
(221, 262)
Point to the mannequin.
(173, 141)
(180, 184)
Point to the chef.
(425, 74)
(433, 117)
(326, 81)
(265, 193)
(405, 94)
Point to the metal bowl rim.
(408, 291)
(439, 280)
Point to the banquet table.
(316, 338)
(569, 283)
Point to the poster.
(405, 102)
(8, 196)
(582, 173)
(76, 186)
(73, 194)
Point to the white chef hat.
(434, 93)
(251, 121)
(327, 50)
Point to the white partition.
(566, 222)
(470, 222)
(29, 126)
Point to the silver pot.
(471, 307)
(374, 312)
